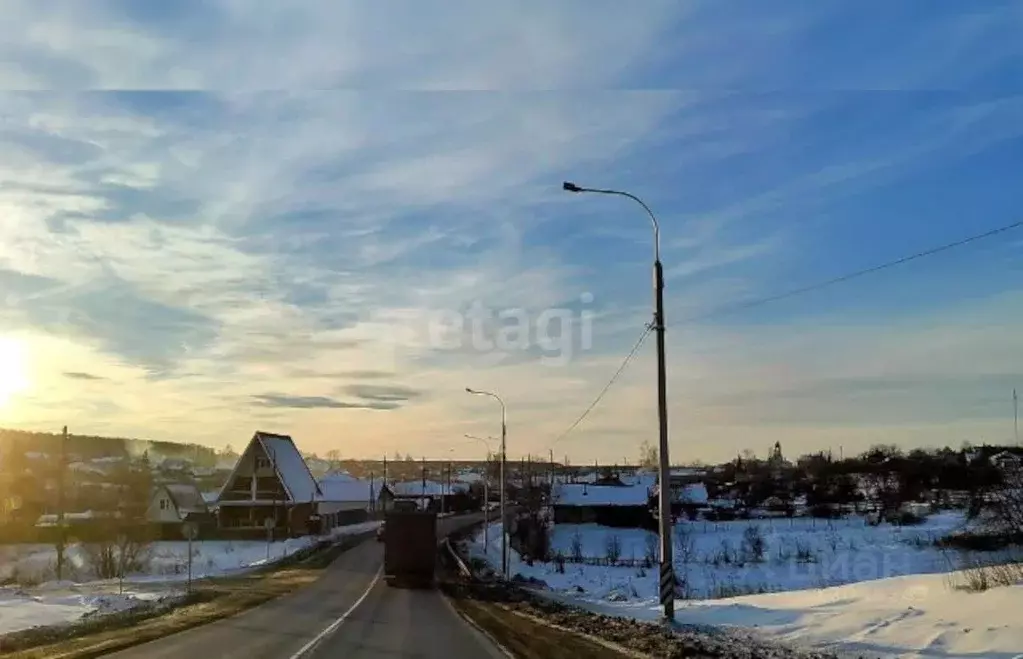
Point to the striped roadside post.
(668, 588)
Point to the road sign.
(190, 530)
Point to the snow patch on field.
(45, 602)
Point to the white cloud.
(206, 255)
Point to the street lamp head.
(568, 186)
(469, 391)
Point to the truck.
(410, 548)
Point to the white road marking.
(332, 627)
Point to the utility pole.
(449, 477)
(424, 478)
(551, 494)
(385, 480)
(667, 580)
(61, 533)
(372, 498)
(1015, 416)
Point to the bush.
(116, 558)
(650, 550)
(804, 553)
(685, 545)
(753, 543)
(612, 548)
(576, 547)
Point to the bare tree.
(648, 455)
(1004, 505)
(122, 536)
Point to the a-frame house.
(270, 481)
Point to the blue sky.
(221, 216)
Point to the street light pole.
(504, 488)
(486, 497)
(667, 581)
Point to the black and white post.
(667, 582)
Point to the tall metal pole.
(504, 485)
(61, 535)
(1015, 416)
(504, 493)
(486, 495)
(667, 590)
(664, 491)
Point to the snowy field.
(879, 591)
(719, 559)
(34, 599)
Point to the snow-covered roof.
(51, 520)
(344, 487)
(86, 468)
(430, 489)
(187, 497)
(291, 467)
(581, 494)
(694, 493)
(469, 477)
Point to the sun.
(13, 369)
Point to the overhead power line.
(781, 296)
(610, 383)
(742, 306)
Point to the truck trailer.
(410, 548)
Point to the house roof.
(432, 488)
(186, 497)
(344, 487)
(291, 468)
(581, 494)
(694, 493)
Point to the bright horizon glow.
(13, 369)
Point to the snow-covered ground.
(896, 601)
(911, 617)
(57, 603)
(720, 558)
(35, 600)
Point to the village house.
(270, 484)
(1007, 461)
(345, 499)
(608, 505)
(430, 494)
(173, 504)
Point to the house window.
(262, 462)
(164, 504)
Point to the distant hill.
(89, 446)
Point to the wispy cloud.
(76, 375)
(320, 402)
(199, 253)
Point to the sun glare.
(13, 369)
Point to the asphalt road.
(361, 615)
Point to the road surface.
(363, 617)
